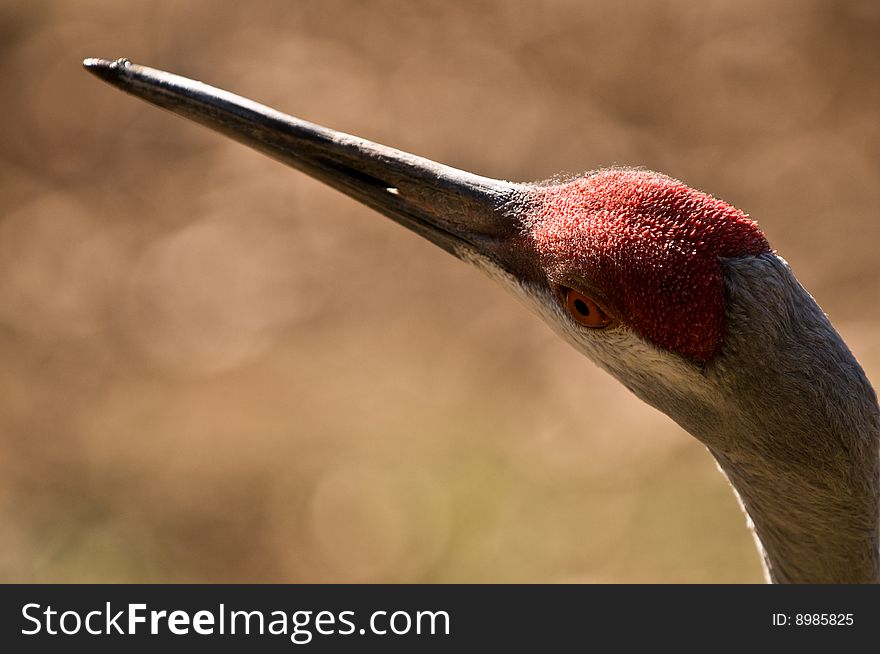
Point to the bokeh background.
(216, 369)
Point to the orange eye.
(585, 310)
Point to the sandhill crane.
(675, 293)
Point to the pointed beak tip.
(106, 69)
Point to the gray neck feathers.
(795, 428)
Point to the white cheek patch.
(640, 366)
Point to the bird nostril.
(585, 310)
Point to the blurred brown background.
(216, 369)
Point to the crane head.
(624, 263)
(643, 252)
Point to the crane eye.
(585, 310)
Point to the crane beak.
(458, 211)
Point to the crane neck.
(811, 528)
(793, 422)
(798, 433)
